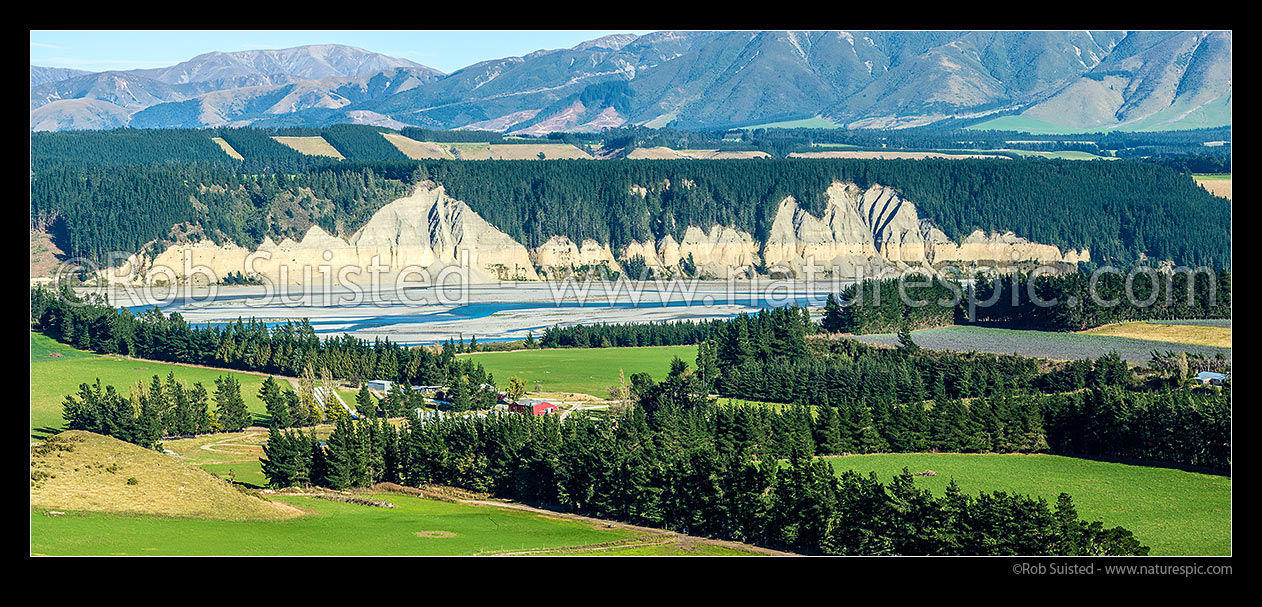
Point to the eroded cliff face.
(877, 230)
(861, 232)
(559, 256)
(715, 253)
(417, 237)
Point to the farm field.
(229, 455)
(416, 150)
(801, 123)
(1174, 512)
(585, 370)
(1196, 334)
(663, 153)
(513, 151)
(415, 527)
(227, 148)
(53, 378)
(1033, 126)
(1041, 344)
(1216, 184)
(1061, 155)
(311, 146)
(891, 154)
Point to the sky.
(444, 50)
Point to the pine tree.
(833, 319)
(277, 408)
(229, 405)
(828, 432)
(345, 459)
(365, 404)
(284, 459)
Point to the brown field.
(892, 155)
(227, 148)
(311, 146)
(663, 153)
(1217, 187)
(523, 151)
(78, 470)
(45, 255)
(417, 150)
(1219, 337)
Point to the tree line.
(1121, 211)
(290, 348)
(160, 409)
(1083, 301)
(692, 470)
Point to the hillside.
(529, 218)
(78, 470)
(698, 79)
(1151, 81)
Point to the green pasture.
(53, 378)
(415, 527)
(1174, 512)
(586, 370)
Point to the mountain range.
(1035, 80)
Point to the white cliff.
(859, 232)
(416, 238)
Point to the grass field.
(227, 148)
(1172, 511)
(895, 154)
(311, 146)
(1216, 184)
(513, 151)
(816, 122)
(1041, 344)
(1203, 335)
(589, 371)
(53, 378)
(228, 455)
(417, 527)
(47, 350)
(414, 149)
(1033, 126)
(1061, 155)
(83, 471)
(662, 153)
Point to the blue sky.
(445, 50)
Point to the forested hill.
(117, 191)
(1118, 209)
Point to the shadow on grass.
(1150, 464)
(45, 432)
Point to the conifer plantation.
(1122, 211)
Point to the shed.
(532, 406)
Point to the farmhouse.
(532, 406)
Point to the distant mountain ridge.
(1071, 80)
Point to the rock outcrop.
(861, 232)
(559, 255)
(876, 229)
(427, 231)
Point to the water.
(500, 312)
